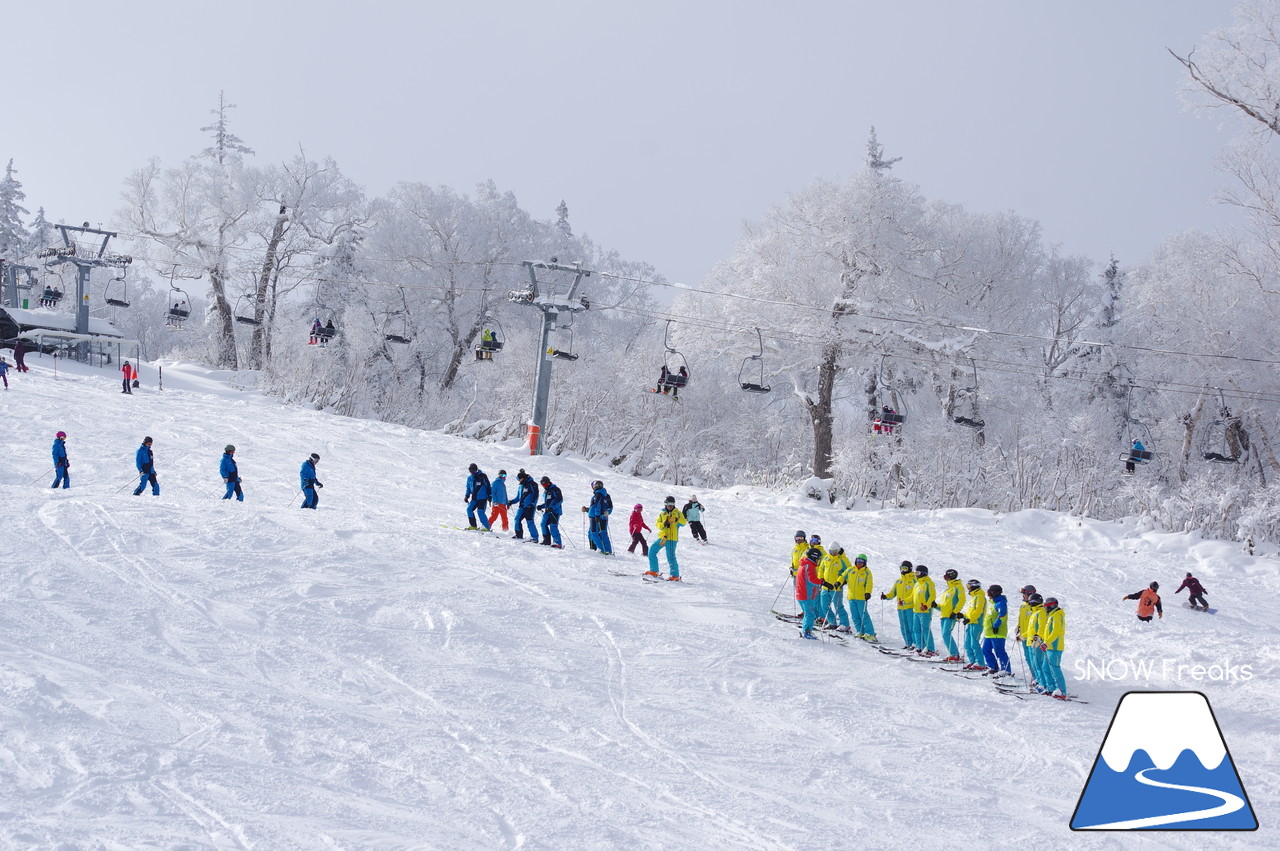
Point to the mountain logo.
(1164, 765)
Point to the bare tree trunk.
(225, 331)
(820, 412)
(258, 345)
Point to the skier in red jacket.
(808, 588)
(636, 527)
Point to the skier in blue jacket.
(498, 508)
(552, 507)
(598, 513)
(146, 463)
(526, 501)
(60, 461)
(477, 498)
(309, 482)
(230, 474)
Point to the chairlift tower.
(11, 271)
(552, 304)
(86, 253)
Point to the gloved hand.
(827, 586)
(868, 597)
(319, 485)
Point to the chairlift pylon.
(757, 386)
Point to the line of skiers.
(145, 461)
(825, 580)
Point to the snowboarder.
(145, 461)
(798, 551)
(807, 588)
(904, 591)
(923, 599)
(858, 588)
(4, 372)
(693, 513)
(974, 615)
(230, 473)
(636, 526)
(60, 461)
(477, 497)
(1052, 641)
(20, 357)
(950, 605)
(833, 572)
(552, 507)
(309, 483)
(995, 629)
(498, 509)
(598, 514)
(1148, 602)
(1194, 589)
(526, 502)
(668, 524)
(128, 373)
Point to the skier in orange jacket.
(1148, 602)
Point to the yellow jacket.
(1054, 629)
(1035, 622)
(1024, 619)
(860, 581)
(952, 599)
(833, 569)
(903, 589)
(797, 553)
(668, 524)
(925, 594)
(977, 606)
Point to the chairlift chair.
(323, 329)
(116, 293)
(244, 315)
(565, 354)
(492, 339)
(888, 419)
(1138, 434)
(974, 421)
(397, 327)
(757, 386)
(672, 379)
(1216, 445)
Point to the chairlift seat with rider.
(669, 378)
(492, 339)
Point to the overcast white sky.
(664, 125)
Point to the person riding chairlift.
(878, 425)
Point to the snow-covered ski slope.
(183, 671)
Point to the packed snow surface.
(181, 671)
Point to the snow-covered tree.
(14, 237)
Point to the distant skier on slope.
(668, 524)
(61, 464)
(858, 589)
(145, 460)
(498, 508)
(693, 513)
(230, 473)
(309, 482)
(477, 497)
(1148, 602)
(1196, 592)
(1053, 640)
(1031, 638)
(797, 552)
(974, 616)
(1024, 633)
(636, 526)
(552, 507)
(904, 592)
(924, 596)
(950, 604)
(598, 514)
(4, 372)
(128, 374)
(833, 572)
(526, 502)
(808, 588)
(995, 629)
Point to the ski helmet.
(861, 559)
(472, 468)
(995, 591)
(836, 549)
(1035, 600)
(800, 535)
(230, 448)
(147, 439)
(950, 574)
(814, 555)
(1051, 603)
(1028, 589)
(973, 585)
(638, 506)
(314, 458)
(1155, 586)
(502, 474)
(906, 564)
(815, 539)
(597, 484)
(671, 500)
(546, 480)
(905, 569)
(62, 435)
(921, 570)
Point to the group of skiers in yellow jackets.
(826, 580)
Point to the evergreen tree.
(13, 236)
(562, 219)
(42, 234)
(1112, 282)
(226, 145)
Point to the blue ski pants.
(142, 483)
(973, 644)
(1038, 667)
(861, 618)
(835, 609)
(924, 630)
(810, 608)
(550, 528)
(63, 478)
(947, 627)
(599, 535)
(310, 498)
(1054, 680)
(907, 623)
(480, 506)
(525, 515)
(994, 653)
(234, 488)
(674, 566)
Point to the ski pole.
(43, 475)
(292, 498)
(779, 594)
(125, 485)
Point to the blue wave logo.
(1164, 765)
